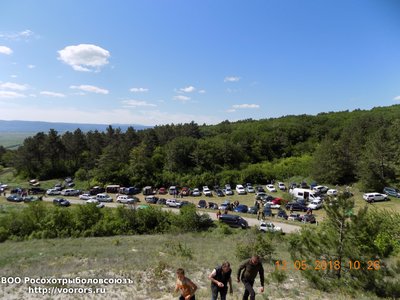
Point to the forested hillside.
(335, 148)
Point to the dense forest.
(332, 148)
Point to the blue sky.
(157, 61)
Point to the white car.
(315, 204)
(250, 189)
(206, 191)
(228, 191)
(173, 203)
(104, 198)
(271, 188)
(70, 192)
(332, 192)
(281, 186)
(269, 227)
(85, 197)
(240, 190)
(372, 197)
(53, 192)
(196, 192)
(272, 205)
(320, 189)
(125, 199)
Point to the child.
(185, 285)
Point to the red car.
(162, 191)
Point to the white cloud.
(10, 95)
(182, 98)
(13, 86)
(244, 106)
(5, 50)
(231, 110)
(13, 76)
(397, 98)
(90, 88)
(139, 90)
(136, 103)
(52, 94)
(84, 57)
(202, 91)
(31, 66)
(16, 36)
(231, 79)
(187, 89)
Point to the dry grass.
(149, 261)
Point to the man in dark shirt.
(220, 277)
(247, 273)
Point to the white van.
(305, 194)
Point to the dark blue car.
(241, 208)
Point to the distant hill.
(38, 126)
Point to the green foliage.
(39, 221)
(176, 248)
(256, 243)
(346, 237)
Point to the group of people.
(221, 278)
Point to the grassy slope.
(150, 261)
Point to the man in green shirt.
(247, 273)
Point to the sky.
(154, 62)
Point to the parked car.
(391, 191)
(253, 210)
(315, 204)
(212, 205)
(202, 204)
(373, 197)
(294, 217)
(151, 199)
(162, 201)
(148, 190)
(15, 198)
(104, 198)
(234, 221)
(162, 191)
(186, 191)
(320, 189)
(173, 190)
(282, 214)
(260, 189)
(53, 192)
(228, 191)
(196, 192)
(250, 189)
(226, 205)
(36, 190)
(206, 191)
(296, 206)
(96, 190)
(219, 193)
(173, 203)
(125, 199)
(70, 192)
(85, 196)
(240, 190)
(269, 227)
(241, 208)
(32, 198)
(281, 186)
(271, 188)
(61, 202)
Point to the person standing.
(247, 273)
(220, 277)
(185, 285)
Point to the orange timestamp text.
(327, 265)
